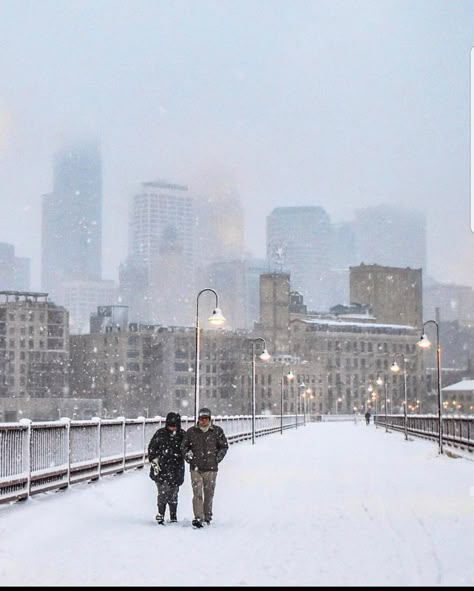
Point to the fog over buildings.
(339, 105)
(151, 149)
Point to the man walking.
(204, 447)
(167, 465)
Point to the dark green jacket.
(208, 448)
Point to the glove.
(188, 456)
(155, 466)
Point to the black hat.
(173, 418)
(204, 412)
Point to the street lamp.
(372, 400)
(424, 343)
(216, 319)
(395, 368)
(297, 398)
(381, 382)
(306, 392)
(289, 376)
(264, 356)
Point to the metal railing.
(336, 417)
(456, 431)
(39, 457)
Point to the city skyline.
(337, 114)
(304, 238)
(345, 246)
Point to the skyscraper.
(72, 218)
(300, 242)
(219, 224)
(161, 252)
(14, 271)
(390, 235)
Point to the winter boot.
(197, 523)
(160, 519)
(173, 511)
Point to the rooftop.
(463, 385)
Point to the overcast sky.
(335, 103)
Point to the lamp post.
(381, 382)
(306, 393)
(303, 396)
(215, 319)
(297, 398)
(289, 377)
(371, 400)
(396, 368)
(264, 356)
(424, 343)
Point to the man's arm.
(185, 448)
(222, 445)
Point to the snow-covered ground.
(328, 504)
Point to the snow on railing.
(37, 457)
(457, 431)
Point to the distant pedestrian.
(367, 418)
(204, 447)
(167, 465)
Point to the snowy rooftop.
(463, 385)
(361, 316)
(358, 324)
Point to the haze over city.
(304, 166)
(334, 104)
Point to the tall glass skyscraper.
(157, 280)
(300, 242)
(390, 235)
(72, 218)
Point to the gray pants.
(167, 495)
(203, 484)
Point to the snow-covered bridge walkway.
(327, 504)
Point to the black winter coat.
(166, 447)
